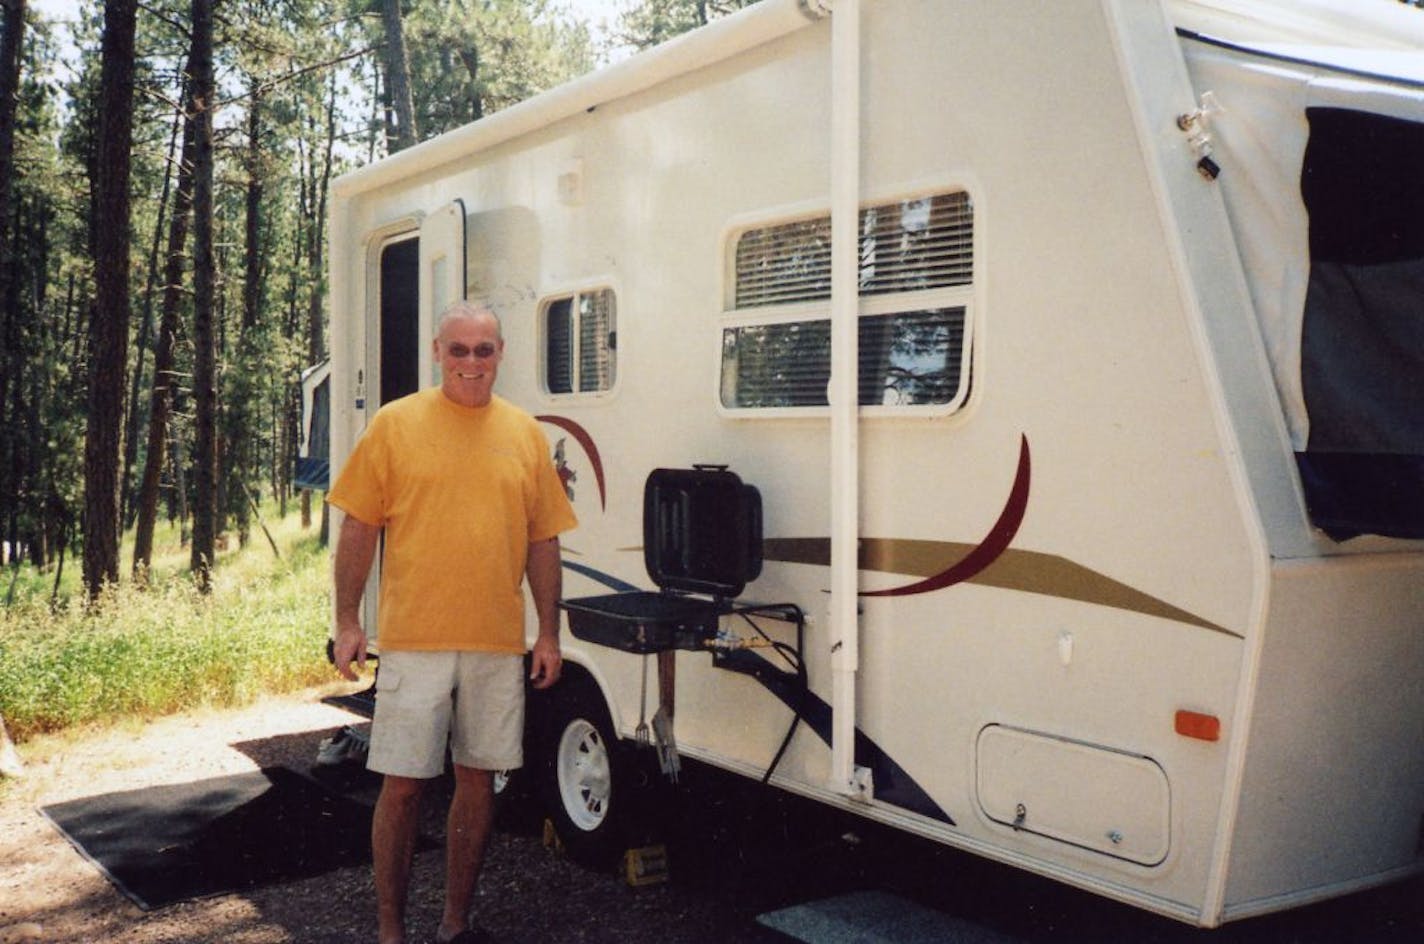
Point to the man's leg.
(466, 836)
(393, 831)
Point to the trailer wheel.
(584, 774)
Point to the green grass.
(140, 653)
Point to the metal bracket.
(1196, 125)
(862, 784)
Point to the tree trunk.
(240, 397)
(316, 335)
(131, 427)
(108, 334)
(10, 47)
(295, 280)
(204, 272)
(398, 77)
(178, 465)
(470, 56)
(164, 379)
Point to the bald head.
(468, 308)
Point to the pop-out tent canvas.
(313, 464)
(1327, 204)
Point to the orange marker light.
(1193, 724)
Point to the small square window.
(579, 346)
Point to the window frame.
(573, 295)
(966, 296)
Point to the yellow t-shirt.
(461, 492)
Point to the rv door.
(442, 275)
(417, 279)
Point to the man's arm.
(545, 572)
(355, 549)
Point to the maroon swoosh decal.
(994, 544)
(582, 437)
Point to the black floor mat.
(164, 844)
(362, 702)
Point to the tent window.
(319, 432)
(580, 342)
(915, 280)
(1362, 344)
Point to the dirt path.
(48, 892)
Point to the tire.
(516, 809)
(585, 776)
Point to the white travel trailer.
(1073, 350)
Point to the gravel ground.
(528, 893)
(735, 851)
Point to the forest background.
(164, 171)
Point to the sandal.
(471, 935)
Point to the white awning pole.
(843, 391)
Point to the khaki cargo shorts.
(472, 701)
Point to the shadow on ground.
(737, 849)
(758, 849)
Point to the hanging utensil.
(640, 733)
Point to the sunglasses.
(461, 351)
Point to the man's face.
(469, 349)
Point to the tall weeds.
(142, 652)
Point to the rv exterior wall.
(1335, 734)
(1116, 468)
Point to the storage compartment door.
(442, 276)
(1093, 797)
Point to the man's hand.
(355, 548)
(350, 645)
(545, 575)
(546, 663)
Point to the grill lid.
(701, 530)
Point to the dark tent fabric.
(1362, 346)
(313, 466)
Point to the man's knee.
(404, 791)
(474, 784)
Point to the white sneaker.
(349, 744)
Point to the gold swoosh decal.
(1029, 571)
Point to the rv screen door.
(442, 275)
(397, 367)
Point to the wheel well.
(574, 675)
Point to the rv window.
(915, 275)
(905, 246)
(906, 359)
(579, 342)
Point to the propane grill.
(702, 540)
(701, 546)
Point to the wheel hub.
(585, 775)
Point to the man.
(461, 483)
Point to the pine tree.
(109, 324)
